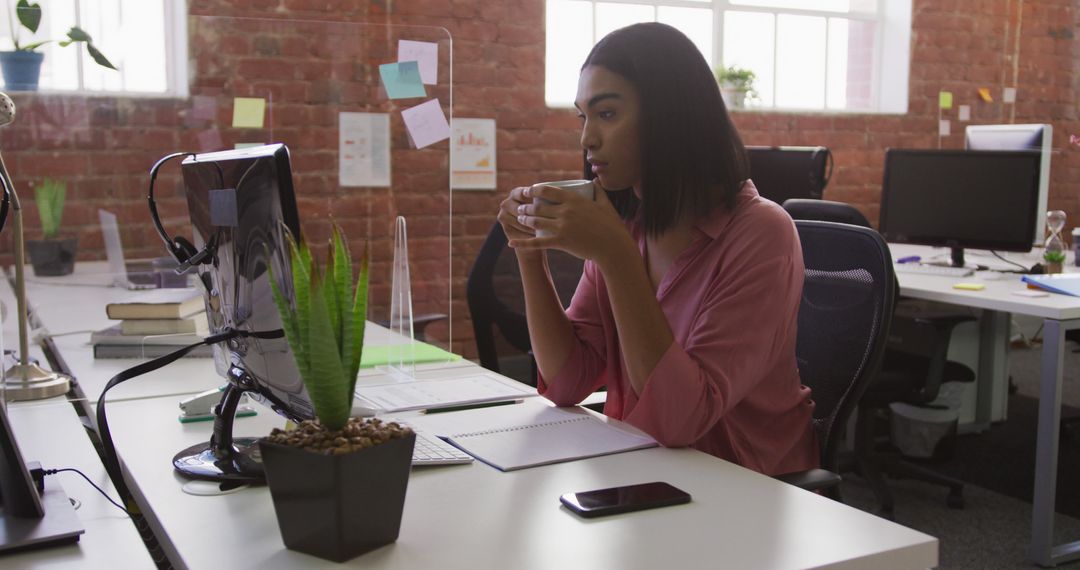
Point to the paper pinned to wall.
(248, 112)
(246, 145)
(945, 99)
(426, 54)
(963, 112)
(204, 107)
(1008, 95)
(944, 128)
(473, 154)
(402, 80)
(426, 123)
(364, 149)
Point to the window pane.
(836, 74)
(748, 43)
(853, 41)
(800, 73)
(569, 39)
(611, 16)
(696, 23)
(845, 6)
(129, 33)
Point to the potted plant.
(735, 84)
(338, 483)
(51, 255)
(22, 66)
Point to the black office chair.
(497, 302)
(913, 368)
(784, 172)
(844, 316)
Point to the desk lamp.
(23, 381)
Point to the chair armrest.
(810, 479)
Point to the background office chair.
(784, 172)
(913, 368)
(497, 303)
(844, 316)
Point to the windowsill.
(110, 94)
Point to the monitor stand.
(57, 526)
(225, 458)
(956, 259)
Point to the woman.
(687, 306)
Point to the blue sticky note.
(402, 80)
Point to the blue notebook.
(1063, 283)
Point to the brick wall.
(103, 147)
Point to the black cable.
(999, 256)
(92, 484)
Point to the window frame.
(889, 93)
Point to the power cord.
(92, 484)
(1011, 262)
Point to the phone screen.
(624, 499)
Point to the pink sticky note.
(426, 123)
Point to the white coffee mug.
(583, 188)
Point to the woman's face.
(609, 107)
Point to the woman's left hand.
(588, 229)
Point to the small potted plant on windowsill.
(52, 255)
(338, 483)
(21, 67)
(735, 84)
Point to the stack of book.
(154, 323)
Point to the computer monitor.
(782, 172)
(960, 199)
(241, 204)
(1036, 137)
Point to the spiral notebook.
(548, 435)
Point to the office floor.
(993, 529)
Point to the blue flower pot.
(21, 69)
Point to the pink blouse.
(729, 384)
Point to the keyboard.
(939, 270)
(430, 450)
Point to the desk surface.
(474, 516)
(51, 433)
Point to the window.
(818, 55)
(145, 39)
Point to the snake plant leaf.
(326, 381)
(342, 274)
(329, 285)
(359, 317)
(49, 197)
(29, 14)
(301, 282)
(288, 321)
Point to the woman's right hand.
(508, 215)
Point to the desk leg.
(993, 369)
(1042, 550)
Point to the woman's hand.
(508, 215)
(588, 229)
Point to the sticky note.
(426, 123)
(248, 112)
(984, 94)
(402, 80)
(246, 145)
(945, 99)
(204, 107)
(963, 112)
(426, 54)
(1008, 95)
(969, 286)
(944, 128)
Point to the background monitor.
(1034, 137)
(960, 199)
(241, 204)
(782, 172)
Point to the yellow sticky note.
(248, 112)
(945, 99)
(969, 286)
(984, 94)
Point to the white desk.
(474, 516)
(49, 432)
(1059, 313)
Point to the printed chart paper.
(473, 154)
(426, 123)
(364, 149)
(424, 53)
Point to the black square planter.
(338, 507)
(52, 257)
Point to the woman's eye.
(606, 114)
(581, 116)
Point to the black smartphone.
(615, 500)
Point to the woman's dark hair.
(692, 157)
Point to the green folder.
(421, 352)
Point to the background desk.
(1059, 313)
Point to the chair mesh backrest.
(844, 319)
(825, 211)
(497, 301)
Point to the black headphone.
(178, 246)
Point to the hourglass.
(1054, 253)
